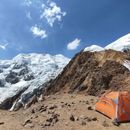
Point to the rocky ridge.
(94, 73)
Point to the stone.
(1, 123)
(72, 117)
(32, 111)
(50, 121)
(94, 119)
(50, 112)
(90, 108)
(47, 124)
(43, 109)
(73, 103)
(55, 120)
(52, 107)
(28, 121)
(88, 119)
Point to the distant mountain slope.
(24, 75)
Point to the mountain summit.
(120, 44)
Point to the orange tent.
(115, 105)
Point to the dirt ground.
(59, 112)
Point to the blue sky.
(60, 26)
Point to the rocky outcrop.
(12, 78)
(93, 73)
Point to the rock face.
(22, 78)
(93, 73)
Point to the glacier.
(25, 74)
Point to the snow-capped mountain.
(26, 73)
(120, 44)
(94, 48)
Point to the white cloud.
(38, 32)
(74, 44)
(52, 13)
(3, 46)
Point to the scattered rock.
(90, 108)
(94, 119)
(51, 112)
(1, 123)
(73, 103)
(49, 119)
(52, 107)
(43, 109)
(28, 121)
(72, 118)
(69, 105)
(52, 120)
(47, 124)
(32, 111)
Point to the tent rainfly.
(115, 105)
